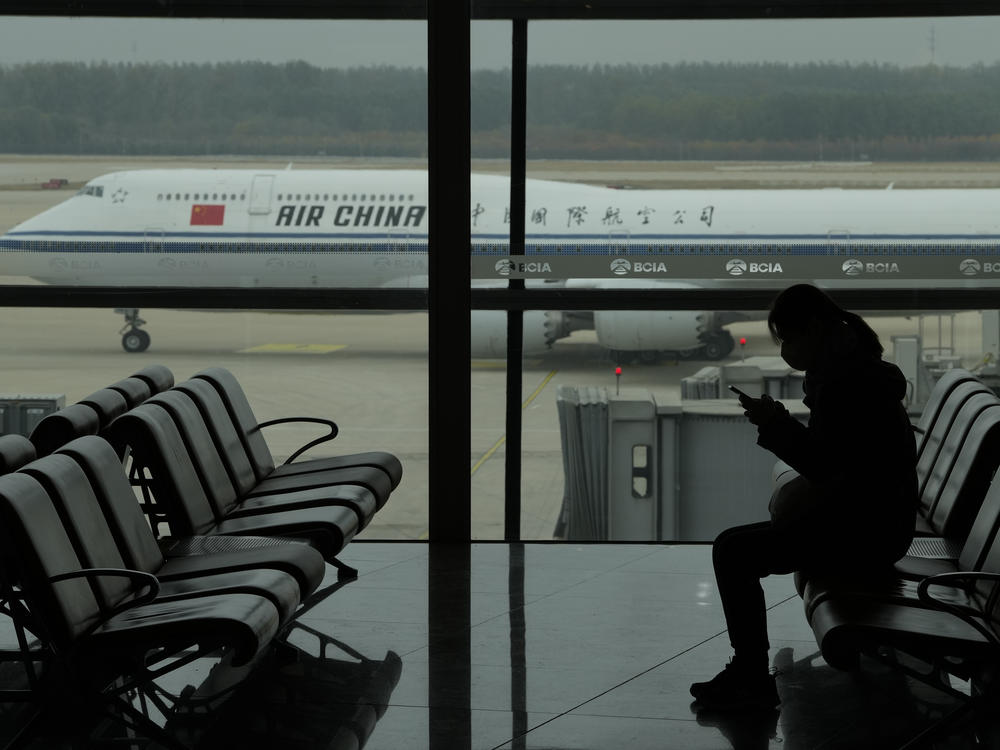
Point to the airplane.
(368, 228)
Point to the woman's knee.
(739, 545)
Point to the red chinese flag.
(207, 215)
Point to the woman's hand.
(761, 410)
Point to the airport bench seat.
(934, 466)
(848, 626)
(196, 504)
(208, 431)
(940, 394)
(92, 414)
(946, 622)
(15, 451)
(56, 429)
(258, 452)
(157, 377)
(938, 604)
(89, 486)
(110, 631)
(357, 488)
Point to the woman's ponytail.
(868, 342)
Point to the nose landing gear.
(134, 339)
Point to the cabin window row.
(333, 197)
(200, 196)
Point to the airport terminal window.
(621, 198)
(633, 129)
(179, 121)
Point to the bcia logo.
(854, 267)
(507, 266)
(970, 266)
(621, 266)
(737, 267)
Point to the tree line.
(685, 111)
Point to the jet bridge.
(638, 470)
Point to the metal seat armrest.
(312, 443)
(138, 576)
(971, 615)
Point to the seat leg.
(344, 571)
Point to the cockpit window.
(95, 190)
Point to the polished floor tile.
(541, 646)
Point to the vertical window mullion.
(448, 297)
(515, 318)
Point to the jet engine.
(647, 334)
(489, 331)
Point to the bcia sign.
(506, 267)
(737, 267)
(854, 267)
(621, 266)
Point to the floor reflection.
(536, 646)
(326, 694)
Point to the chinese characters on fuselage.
(607, 216)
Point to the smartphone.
(738, 392)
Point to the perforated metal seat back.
(108, 403)
(135, 390)
(40, 548)
(230, 445)
(235, 398)
(60, 427)
(157, 445)
(158, 377)
(939, 394)
(956, 441)
(132, 533)
(945, 423)
(15, 452)
(211, 470)
(83, 519)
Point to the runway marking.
(503, 438)
(525, 405)
(293, 349)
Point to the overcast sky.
(951, 41)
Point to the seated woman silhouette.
(852, 509)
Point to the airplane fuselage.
(368, 228)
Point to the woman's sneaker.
(736, 689)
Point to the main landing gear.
(718, 344)
(134, 339)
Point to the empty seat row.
(205, 475)
(113, 603)
(228, 482)
(82, 572)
